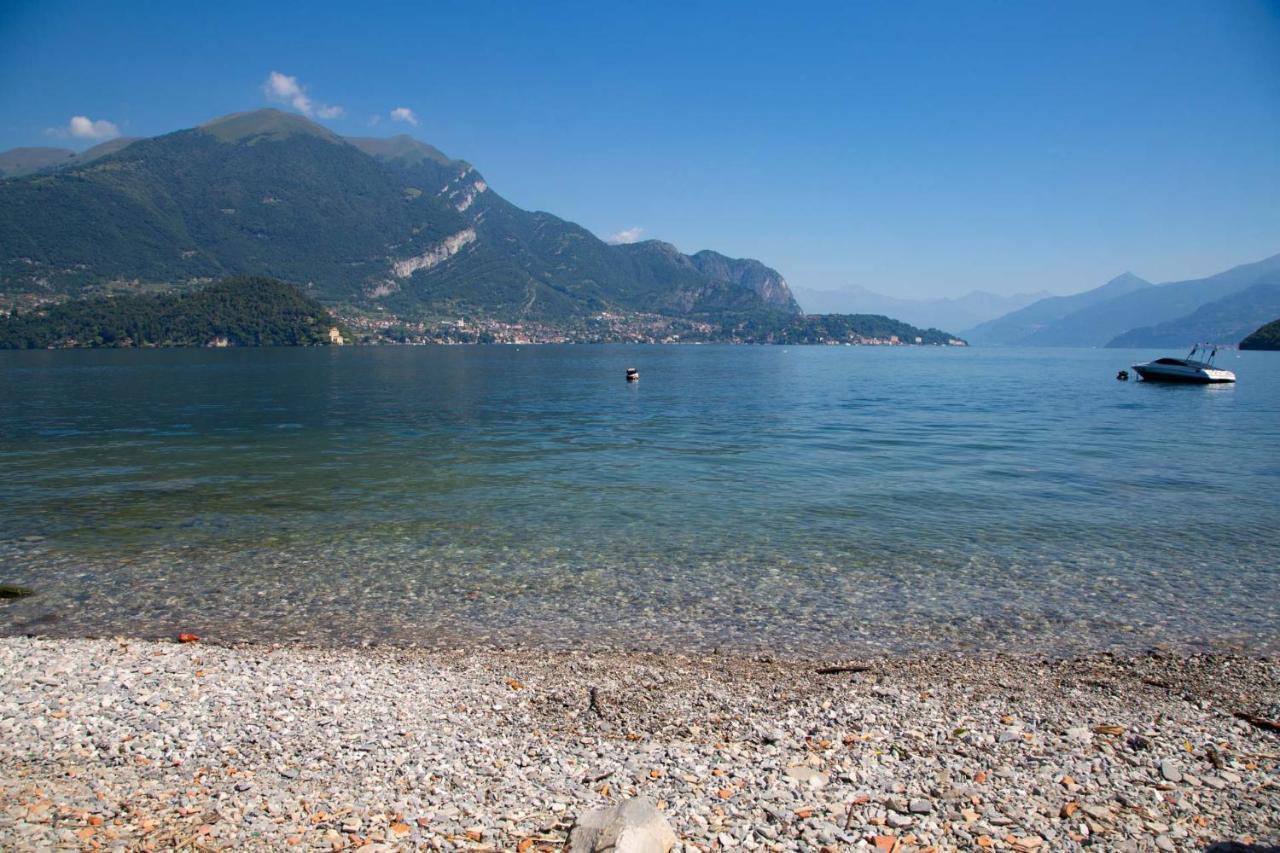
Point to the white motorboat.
(1185, 369)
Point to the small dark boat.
(633, 375)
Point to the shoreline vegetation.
(1265, 338)
(254, 311)
(154, 745)
(237, 311)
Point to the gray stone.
(921, 806)
(1169, 770)
(632, 826)
(807, 775)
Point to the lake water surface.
(800, 500)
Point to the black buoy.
(633, 375)
(1123, 376)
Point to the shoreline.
(142, 743)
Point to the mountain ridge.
(391, 225)
(17, 162)
(1101, 322)
(1016, 326)
(1227, 320)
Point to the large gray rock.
(632, 826)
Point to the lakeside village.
(604, 327)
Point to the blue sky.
(916, 149)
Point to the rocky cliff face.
(767, 283)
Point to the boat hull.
(1186, 377)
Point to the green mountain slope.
(1267, 337)
(24, 161)
(235, 312)
(514, 264)
(1223, 321)
(271, 197)
(17, 162)
(379, 225)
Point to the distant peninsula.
(1268, 337)
(237, 311)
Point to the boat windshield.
(1169, 361)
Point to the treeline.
(242, 311)
(841, 328)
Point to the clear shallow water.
(807, 500)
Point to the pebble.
(394, 748)
(807, 776)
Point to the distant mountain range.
(17, 162)
(960, 312)
(1131, 312)
(1017, 326)
(385, 226)
(1226, 320)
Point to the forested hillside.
(244, 311)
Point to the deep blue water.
(800, 499)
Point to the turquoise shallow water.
(799, 500)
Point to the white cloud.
(83, 127)
(404, 114)
(286, 89)
(626, 235)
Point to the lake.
(789, 500)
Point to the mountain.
(374, 226)
(1098, 324)
(102, 149)
(959, 312)
(25, 161)
(1223, 321)
(771, 287)
(1018, 326)
(234, 312)
(1268, 337)
(402, 149)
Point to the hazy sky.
(912, 148)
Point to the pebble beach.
(155, 745)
